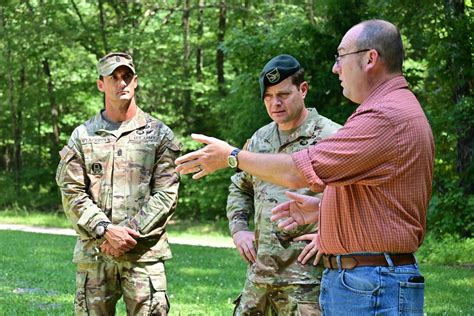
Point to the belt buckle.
(327, 258)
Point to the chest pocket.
(97, 158)
(140, 153)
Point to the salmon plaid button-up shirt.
(376, 173)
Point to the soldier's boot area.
(100, 286)
(283, 300)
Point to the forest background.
(198, 64)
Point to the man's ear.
(373, 59)
(304, 88)
(100, 85)
(135, 81)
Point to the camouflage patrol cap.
(111, 61)
(276, 70)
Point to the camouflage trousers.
(267, 299)
(100, 285)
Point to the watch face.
(232, 161)
(100, 230)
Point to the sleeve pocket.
(66, 154)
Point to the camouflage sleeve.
(156, 213)
(240, 202)
(72, 181)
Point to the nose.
(336, 68)
(122, 83)
(275, 101)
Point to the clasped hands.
(118, 240)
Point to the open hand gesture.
(300, 210)
(206, 160)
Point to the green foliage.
(47, 82)
(452, 213)
(204, 199)
(446, 249)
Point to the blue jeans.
(371, 290)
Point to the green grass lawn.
(37, 278)
(37, 275)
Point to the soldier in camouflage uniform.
(119, 189)
(276, 284)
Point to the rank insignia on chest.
(97, 168)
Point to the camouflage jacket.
(277, 253)
(124, 176)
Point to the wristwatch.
(101, 228)
(232, 160)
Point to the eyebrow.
(278, 92)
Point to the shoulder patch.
(63, 152)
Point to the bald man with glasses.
(375, 174)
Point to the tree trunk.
(461, 60)
(310, 11)
(103, 31)
(16, 112)
(199, 49)
(220, 53)
(55, 142)
(17, 122)
(186, 68)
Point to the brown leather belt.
(352, 261)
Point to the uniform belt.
(352, 261)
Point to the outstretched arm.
(275, 168)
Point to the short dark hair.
(298, 77)
(385, 38)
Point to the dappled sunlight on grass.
(37, 278)
(449, 289)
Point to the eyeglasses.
(338, 57)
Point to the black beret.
(276, 70)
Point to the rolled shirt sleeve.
(363, 151)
